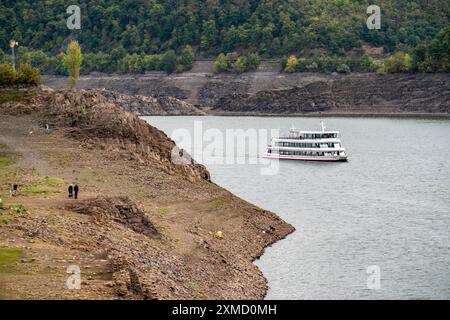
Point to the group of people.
(73, 191)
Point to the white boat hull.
(305, 158)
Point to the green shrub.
(398, 62)
(169, 62)
(220, 65)
(7, 74)
(291, 64)
(28, 75)
(343, 68)
(187, 58)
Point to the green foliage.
(291, 64)
(434, 56)
(233, 62)
(15, 95)
(169, 61)
(134, 36)
(343, 68)
(25, 75)
(162, 211)
(272, 28)
(18, 208)
(10, 255)
(220, 65)
(72, 61)
(379, 66)
(28, 75)
(41, 189)
(187, 58)
(398, 62)
(7, 74)
(5, 161)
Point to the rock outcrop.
(150, 106)
(361, 94)
(280, 93)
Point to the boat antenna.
(323, 125)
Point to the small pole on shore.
(12, 44)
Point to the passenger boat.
(307, 145)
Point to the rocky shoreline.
(143, 227)
(272, 93)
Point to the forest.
(134, 36)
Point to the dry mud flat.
(142, 228)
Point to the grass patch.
(5, 161)
(9, 256)
(18, 208)
(15, 95)
(55, 181)
(162, 211)
(39, 189)
(219, 202)
(197, 288)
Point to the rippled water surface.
(389, 206)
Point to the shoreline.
(167, 249)
(317, 115)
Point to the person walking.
(71, 191)
(13, 191)
(75, 190)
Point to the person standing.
(71, 191)
(75, 190)
(13, 191)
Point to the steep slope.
(142, 228)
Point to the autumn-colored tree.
(72, 60)
(291, 64)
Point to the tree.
(72, 61)
(240, 65)
(220, 65)
(187, 57)
(252, 62)
(398, 62)
(379, 66)
(343, 68)
(291, 64)
(169, 62)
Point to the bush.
(169, 62)
(302, 64)
(343, 68)
(220, 65)
(252, 62)
(240, 65)
(28, 75)
(25, 75)
(399, 62)
(7, 74)
(232, 62)
(187, 58)
(291, 64)
(379, 66)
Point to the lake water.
(383, 215)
